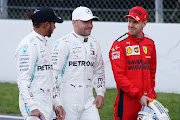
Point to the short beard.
(49, 32)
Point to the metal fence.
(167, 11)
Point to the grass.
(172, 102)
(9, 98)
(9, 102)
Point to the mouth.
(88, 30)
(131, 29)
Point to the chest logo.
(136, 49)
(129, 50)
(24, 51)
(145, 49)
(133, 50)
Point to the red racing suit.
(133, 62)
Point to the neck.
(140, 35)
(79, 34)
(39, 31)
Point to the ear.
(74, 22)
(46, 25)
(144, 23)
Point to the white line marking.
(12, 117)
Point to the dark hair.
(31, 16)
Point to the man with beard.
(133, 61)
(34, 68)
(78, 67)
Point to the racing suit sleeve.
(117, 56)
(27, 57)
(99, 73)
(153, 71)
(59, 55)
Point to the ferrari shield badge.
(145, 49)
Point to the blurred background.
(163, 11)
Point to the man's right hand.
(144, 100)
(36, 113)
(60, 113)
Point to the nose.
(130, 24)
(90, 24)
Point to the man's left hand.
(144, 100)
(60, 113)
(100, 100)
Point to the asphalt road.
(10, 117)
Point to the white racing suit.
(77, 67)
(34, 77)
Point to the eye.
(135, 22)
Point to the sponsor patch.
(56, 45)
(147, 56)
(127, 42)
(100, 82)
(129, 50)
(139, 65)
(136, 49)
(45, 61)
(115, 48)
(145, 49)
(45, 90)
(92, 49)
(115, 55)
(145, 93)
(132, 50)
(76, 53)
(80, 86)
(44, 67)
(92, 52)
(81, 63)
(76, 57)
(24, 51)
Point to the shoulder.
(91, 38)
(148, 37)
(62, 42)
(30, 39)
(25, 44)
(65, 38)
(123, 37)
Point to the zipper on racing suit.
(85, 71)
(142, 67)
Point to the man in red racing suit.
(133, 60)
